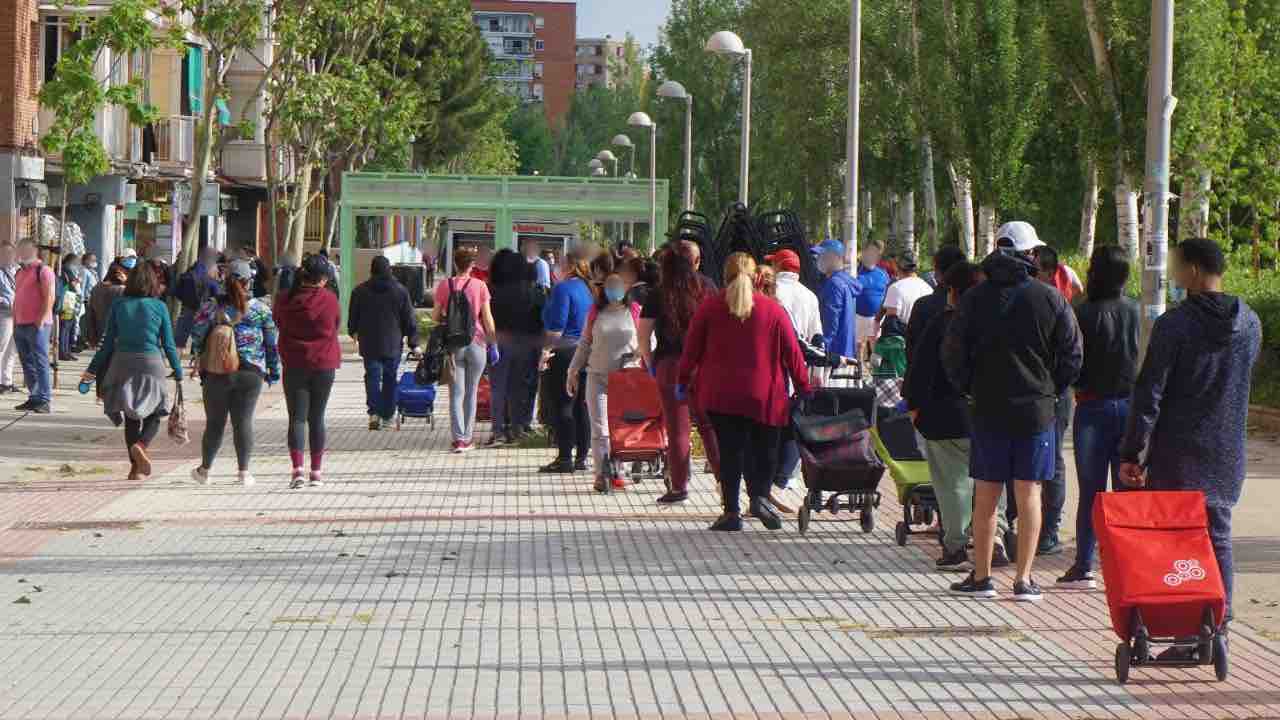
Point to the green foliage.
(528, 129)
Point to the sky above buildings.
(642, 18)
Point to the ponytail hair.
(739, 293)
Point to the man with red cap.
(802, 305)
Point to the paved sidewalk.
(419, 584)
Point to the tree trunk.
(297, 227)
(907, 223)
(1127, 217)
(200, 172)
(55, 340)
(1194, 210)
(987, 229)
(962, 190)
(930, 240)
(1089, 213)
(891, 242)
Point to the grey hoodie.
(1191, 402)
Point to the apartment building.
(534, 46)
(22, 187)
(596, 60)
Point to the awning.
(224, 112)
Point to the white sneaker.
(200, 475)
(246, 479)
(297, 480)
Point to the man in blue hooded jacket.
(838, 301)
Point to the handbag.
(178, 420)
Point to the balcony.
(175, 141)
(247, 162)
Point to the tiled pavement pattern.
(418, 584)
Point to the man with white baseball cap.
(1013, 347)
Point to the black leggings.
(747, 448)
(233, 396)
(573, 426)
(306, 394)
(141, 431)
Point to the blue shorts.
(997, 457)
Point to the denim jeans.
(1099, 427)
(33, 353)
(510, 378)
(66, 337)
(1055, 492)
(788, 458)
(1220, 536)
(182, 329)
(382, 386)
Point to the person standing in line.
(665, 317)
(739, 354)
(1110, 324)
(470, 359)
(940, 413)
(89, 279)
(563, 320)
(608, 338)
(517, 314)
(1058, 274)
(693, 251)
(8, 288)
(901, 297)
(380, 318)
(261, 274)
(1013, 346)
(929, 307)
(234, 395)
(131, 362)
(838, 301)
(68, 306)
(541, 269)
(194, 288)
(100, 301)
(875, 283)
(33, 299)
(308, 317)
(1187, 425)
(806, 319)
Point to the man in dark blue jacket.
(380, 318)
(1013, 348)
(1186, 427)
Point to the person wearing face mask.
(100, 301)
(68, 305)
(608, 340)
(33, 297)
(8, 284)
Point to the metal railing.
(175, 140)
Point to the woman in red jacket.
(308, 318)
(740, 351)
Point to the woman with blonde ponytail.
(738, 356)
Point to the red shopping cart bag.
(1157, 559)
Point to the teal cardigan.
(137, 325)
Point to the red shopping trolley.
(1162, 579)
(637, 433)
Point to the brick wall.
(559, 54)
(18, 72)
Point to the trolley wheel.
(867, 520)
(1123, 657)
(1221, 661)
(900, 534)
(806, 515)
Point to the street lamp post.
(622, 140)
(1160, 105)
(728, 43)
(642, 120)
(673, 90)
(606, 156)
(852, 143)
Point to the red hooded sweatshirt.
(308, 320)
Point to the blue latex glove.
(682, 393)
(653, 371)
(492, 355)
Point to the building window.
(537, 70)
(494, 25)
(539, 22)
(539, 45)
(58, 38)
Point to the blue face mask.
(614, 294)
(129, 263)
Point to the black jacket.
(943, 410)
(1014, 347)
(1110, 330)
(922, 315)
(380, 317)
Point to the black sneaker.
(25, 406)
(1027, 591)
(559, 467)
(41, 409)
(672, 498)
(1077, 579)
(581, 465)
(953, 562)
(972, 587)
(1048, 546)
(1000, 558)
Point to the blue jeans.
(1055, 490)
(1220, 535)
(511, 402)
(382, 386)
(66, 337)
(1099, 427)
(182, 330)
(33, 352)
(788, 458)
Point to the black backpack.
(459, 319)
